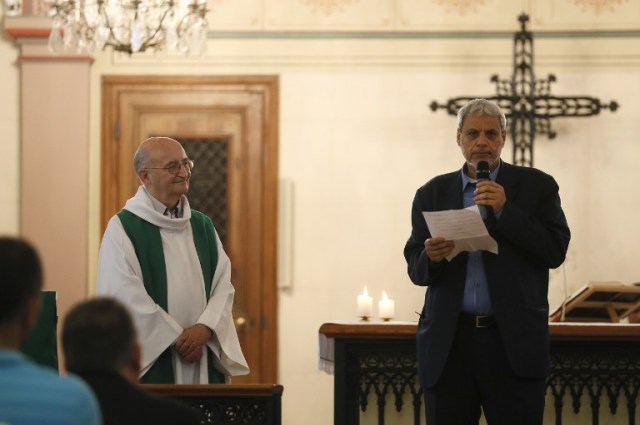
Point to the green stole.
(147, 243)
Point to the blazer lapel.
(508, 180)
(452, 192)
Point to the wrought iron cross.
(527, 102)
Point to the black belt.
(467, 319)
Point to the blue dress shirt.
(36, 395)
(476, 299)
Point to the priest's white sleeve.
(120, 276)
(218, 317)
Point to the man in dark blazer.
(483, 337)
(100, 345)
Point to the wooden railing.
(222, 404)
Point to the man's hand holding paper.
(464, 228)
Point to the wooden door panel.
(242, 116)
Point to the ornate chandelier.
(87, 26)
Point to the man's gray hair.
(477, 107)
(140, 158)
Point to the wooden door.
(229, 127)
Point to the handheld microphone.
(482, 174)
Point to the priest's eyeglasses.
(175, 168)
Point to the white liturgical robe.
(120, 276)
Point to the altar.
(595, 371)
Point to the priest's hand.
(190, 343)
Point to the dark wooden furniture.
(593, 365)
(220, 404)
(599, 302)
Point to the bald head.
(143, 156)
(163, 168)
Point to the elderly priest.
(166, 263)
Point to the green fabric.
(161, 372)
(147, 243)
(215, 376)
(206, 246)
(41, 345)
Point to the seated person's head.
(20, 285)
(98, 335)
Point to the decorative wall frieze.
(328, 7)
(599, 6)
(461, 7)
(397, 16)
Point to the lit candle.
(386, 307)
(365, 304)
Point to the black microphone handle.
(482, 174)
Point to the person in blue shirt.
(31, 394)
(483, 334)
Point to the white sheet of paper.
(464, 227)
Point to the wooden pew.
(244, 404)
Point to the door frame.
(267, 87)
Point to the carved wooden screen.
(208, 188)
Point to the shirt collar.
(162, 208)
(466, 180)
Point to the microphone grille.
(482, 171)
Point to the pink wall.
(54, 95)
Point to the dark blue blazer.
(532, 235)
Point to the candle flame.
(365, 293)
(384, 295)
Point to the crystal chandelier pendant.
(69, 37)
(171, 39)
(198, 37)
(136, 36)
(55, 44)
(101, 35)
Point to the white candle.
(386, 307)
(365, 304)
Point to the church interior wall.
(10, 131)
(357, 138)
